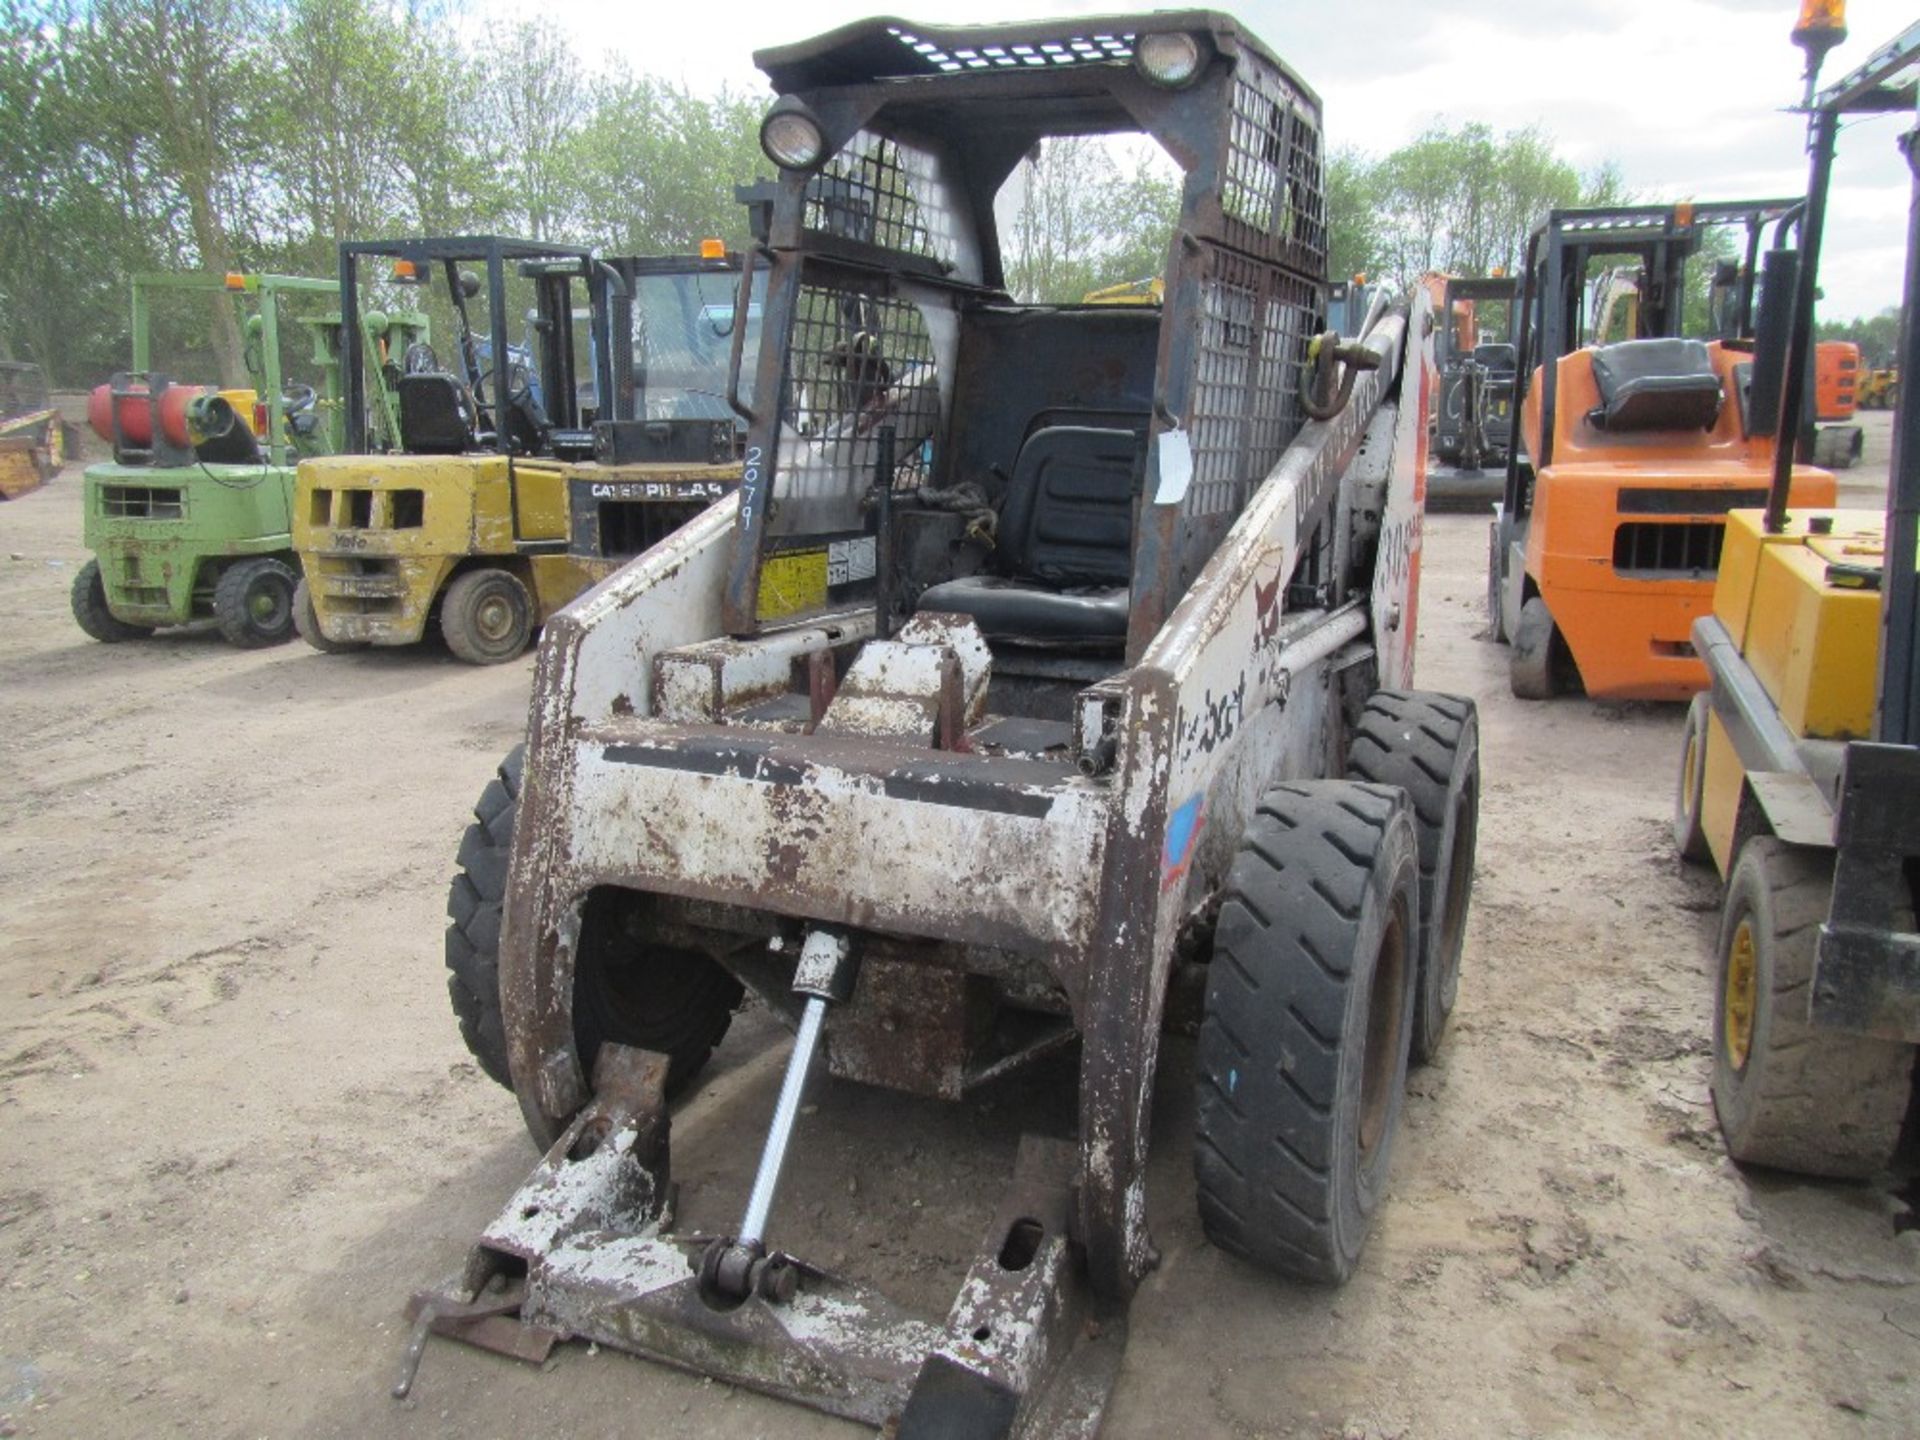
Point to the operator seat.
(1063, 561)
(1661, 384)
(436, 414)
(1496, 356)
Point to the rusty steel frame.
(653, 765)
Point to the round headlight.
(792, 140)
(1168, 59)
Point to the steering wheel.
(519, 386)
(420, 359)
(296, 405)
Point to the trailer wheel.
(253, 603)
(487, 616)
(1303, 1052)
(677, 1002)
(1534, 665)
(1788, 1095)
(90, 609)
(1689, 838)
(1429, 746)
(306, 623)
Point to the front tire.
(678, 1002)
(306, 624)
(1689, 837)
(1533, 668)
(1303, 1051)
(487, 616)
(253, 603)
(1789, 1095)
(90, 612)
(1429, 746)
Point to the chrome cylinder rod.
(774, 1155)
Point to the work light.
(1169, 60)
(792, 139)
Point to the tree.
(181, 88)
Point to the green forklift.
(190, 521)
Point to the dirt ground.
(237, 1125)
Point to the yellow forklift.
(1800, 773)
(504, 486)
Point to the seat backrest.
(1495, 356)
(1662, 384)
(1067, 519)
(435, 414)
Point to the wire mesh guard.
(882, 192)
(1274, 197)
(1036, 54)
(1254, 325)
(857, 362)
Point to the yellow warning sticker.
(792, 581)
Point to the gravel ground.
(238, 1125)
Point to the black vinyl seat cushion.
(1666, 384)
(436, 414)
(1018, 610)
(1065, 555)
(1496, 356)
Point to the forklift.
(1799, 776)
(1049, 676)
(1473, 409)
(190, 520)
(511, 477)
(1625, 457)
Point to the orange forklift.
(1626, 457)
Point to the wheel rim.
(1741, 995)
(494, 617)
(265, 604)
(1379, 1064)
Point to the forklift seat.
(436, 414)
(1666, 384)
(1065, 545)
(1497, 357)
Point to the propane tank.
(218, 426)
(136, 413)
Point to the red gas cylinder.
(135, 424)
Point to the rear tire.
(306, 623)
(1689, 838)
(253, 603)
(1531, 669)
(1429, 746)
(91, 613)
(1302, 1055)
(487, 616)
(1788, 1095)
(678, 1002)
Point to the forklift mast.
(1662, 238)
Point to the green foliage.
(1878, 336)
(257, 134)
(1455, 199)
(1076, 217)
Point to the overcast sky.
(1686, 95)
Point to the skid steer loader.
(1048, 660)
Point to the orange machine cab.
(1836, 370)
(1626, 529)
